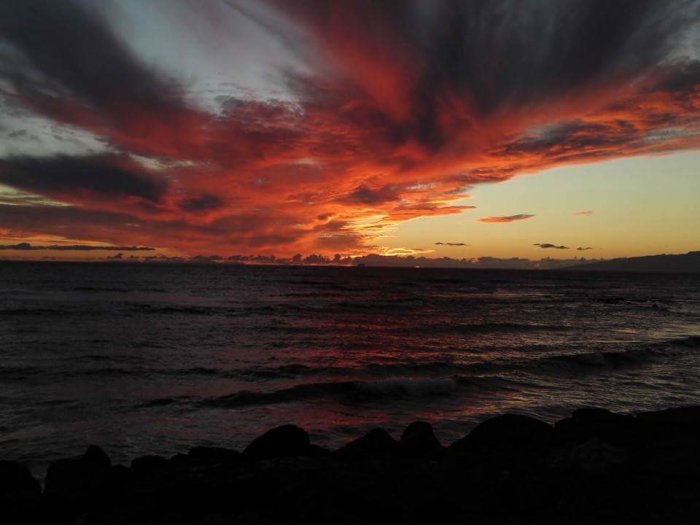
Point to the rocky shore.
(595, 467)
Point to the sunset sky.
(459, 128)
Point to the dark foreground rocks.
(594, 467)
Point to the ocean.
(156, 358)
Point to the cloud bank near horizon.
(396, 109)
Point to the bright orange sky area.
(274, 127)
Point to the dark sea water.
(158, 358)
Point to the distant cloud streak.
(547, 245)
(25, 246)
(506, 218)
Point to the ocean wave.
(370, 373)
(148, 308)
(34, 311)
(454, 380)
(114, 289)
(344, 391)
(491, 327)
(18, 373)
(633, 356)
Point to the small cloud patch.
(506, 218)
(548, 245)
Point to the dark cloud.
(583, 248)
(547, 245)
(451, 244)
(506, 218)
(202, 203)
(682, 79)
(64, 49)
(25, 246)
(495, 53)
(365, 195)
(103, 176)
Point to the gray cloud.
(202, 203)
(547, 245)
(369, 196)
(64, 50)
(108, 176)
(506, 218)
(25, 246)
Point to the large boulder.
(76, 485)
(20, 494)
(213, 455)
(376, 442)
(670, 424)
(510, 439)
(592, 456)
(418, 440)
(284, 441)
(589, 423)
(16, 477)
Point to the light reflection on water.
(155, 359)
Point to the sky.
(438, 128)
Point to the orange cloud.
(401, 111)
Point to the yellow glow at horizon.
(641, 206)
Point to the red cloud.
(401, 112)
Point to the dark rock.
(287, 440)
(95, 454)
(75, 485)
(588, 423)
(593, 456)
(213, 454)
(20, 494)
(510, 439)
(16, 477)
(119, 479)
(147, 464)
(376, 442)
(317, 452)
(418, 440)
(673, 423)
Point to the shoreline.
(592, 467)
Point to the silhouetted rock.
(510, 439)
(593, 455)
(148, 463)
(375, 442)
(287, 440)
(96, 455)
(16, 477)
(509, 469)
(419, 440)
(213, 454)
(317, 452)
(75, 485)
(672, 423)
(19, 494)
(588, 423)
